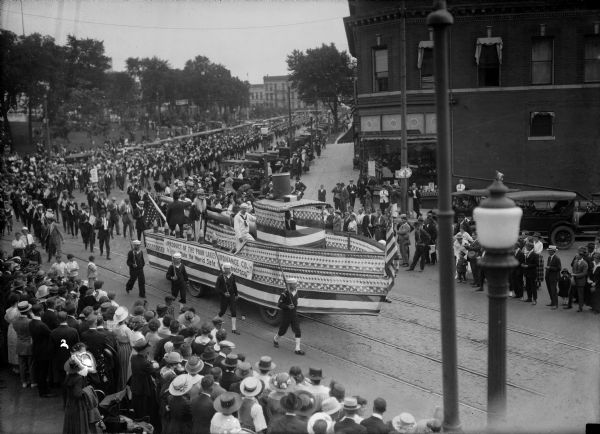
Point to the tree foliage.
(322, 74)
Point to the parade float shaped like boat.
(336, 273)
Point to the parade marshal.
(241, 225)
(288, 303)
(227, 288)
(135, 262)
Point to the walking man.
(288, 303)
(580, 272)
(178, 277)
(422, 242)
(530, 272)
(135, 262)
(227, 287)
(553, 268)
(103, 234)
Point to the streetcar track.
(333, 355)
(417, 353)
(514, 330)
(476, 341)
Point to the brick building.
(525, 89)
(273, 93)
(257, 95)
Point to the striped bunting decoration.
(391, 250)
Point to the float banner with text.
(196, 254)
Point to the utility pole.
(404, 138)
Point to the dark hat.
(231, 361)
(177, 340)
(209, 354)
(265, 364)
(315, 373)
(308, 402)
(290, 402)
(228, 403)
(582, 249)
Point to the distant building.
(273, 93)
(525, 89)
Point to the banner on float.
(201, 255)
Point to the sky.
(249, 37)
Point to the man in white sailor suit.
(241, 225)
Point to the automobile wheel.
(270, 315)
(562, 237)
(197, 289)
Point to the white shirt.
(221, 423)
(241, 225)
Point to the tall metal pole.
(441, 20)
(290, 132)
(403, 144)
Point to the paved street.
(553, 356)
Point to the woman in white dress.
(12, 313)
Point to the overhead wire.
(151, 27)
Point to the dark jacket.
(175, 214)
(224, 285)
(139, 260)
(288, 424)
(202, 413)
(349, 426)
(553, 267)
(182, 276)
(50, 319)
(374, 425)
(142, 372)
(62, 339)
(40, 336)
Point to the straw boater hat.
(228, 403)
(172, 358)
(403, 422)
(121, 314)
(251, 386)
(231, 361)
(180, 385)
(320, 416)
(243, 370)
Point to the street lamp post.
(441, 20)
(498, 222)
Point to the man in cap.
(553, 267)
(288, 303)
(138, 214)
(403, 229)
(126, 212)
(241, 225)
(113, 216)
(422, 242)
(178, 277)
(251, 413)
(579, 272)
(530, 266)
(227, 287)
(347, 423)
(135, 262)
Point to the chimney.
(489, 31)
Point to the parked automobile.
(558, 216)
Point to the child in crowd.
(461, 267)
(169, 299)
(92, 272)
(564, 285)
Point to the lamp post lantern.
(498, 220)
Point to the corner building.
(525, 90)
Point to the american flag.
(152, 213)
(391, 251)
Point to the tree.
(322, 74)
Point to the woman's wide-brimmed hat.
(180, 385)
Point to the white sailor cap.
(292, 280)
(176, 255)
(226, 264)
(136, 242)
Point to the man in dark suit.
(49, 316)
(71, 311)
(175, 214)
(97, 344)
(530, 272)
(422, 242)
(135, 262)
(289, 422)
(367, 224)
(347, 424)
(103, 233)
(138, 215)
(40, 350)
(62, 339)
(375, 424)
(553, 267)
(202, 407)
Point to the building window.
(425, 64)
(541, 125)
(488, 57)
(380, 70)
(542, 56)
(592, 59)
